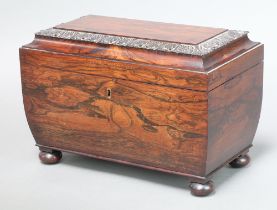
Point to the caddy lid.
(163, 37)
(185, 52)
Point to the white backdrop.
(84, 183)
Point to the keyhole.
(109, 93)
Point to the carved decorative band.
(201, 49)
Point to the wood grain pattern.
(181, 114)
(140, 123)
(117, 53)
(116, 69)
(241, 64)
(67, 89)
(142, 29)
(234, 112)
(169, 60)
(137, 71)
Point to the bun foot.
(50, 157)
(199, 189)
(240, 161)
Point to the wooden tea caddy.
(174, 98)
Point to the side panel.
(232, 68)
(234, 111)
(144, 124)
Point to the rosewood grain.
(171, 60)
(116, 69)
(142, 29)
(234, 112)
(240, 64)
(130, 123)
(181, 114)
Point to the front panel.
(150, 125)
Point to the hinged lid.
(174, 46)
(164, 37)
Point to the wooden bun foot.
(240, 161)
(50, 157)
(199, 189)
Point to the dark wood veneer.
(234, 112)
(142, 29)
(182, 114)
(64, 106)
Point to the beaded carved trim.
(200, 49)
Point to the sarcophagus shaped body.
(175, 98)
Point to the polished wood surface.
(234, 112)
(188, 115)
(50, 84)
(241, 64)
(133, 55)
(116, 69)
(199, 189)
(142, 29)
(141, 123)
(50, 157)
(240, 161)
(138, 71)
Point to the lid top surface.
(146, 35)
(168, 32)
